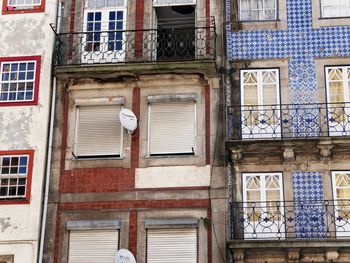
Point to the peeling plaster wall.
(26, 128)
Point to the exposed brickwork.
(133, 204)
(97, 180)
(133, 232)
(207, 124)
(135, 143)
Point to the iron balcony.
(144, 45)
(273, 122)
(289, 220)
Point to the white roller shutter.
(172, 245)
(99, 131)
(172, 128)
(93, 246)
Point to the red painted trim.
(209, 233)
(35, 9)
(36, 83)
(140, 8)
(207, 9)
(134, 204)
(30, 153)
(173, 188)
(57, 237)
(133, 232)
(135, 142)
(207, 124)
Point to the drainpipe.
(49, 147)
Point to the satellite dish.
(128, 120)
(124, 256)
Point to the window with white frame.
(23, 3)
(341, 192)
(98, 131)
(106, 20)
(172, 245)
(335, 8)
(263, 204)
(172, 127)
(260, 101)
(14, 171)
(338, 97)
(17, 81)
(257, 10)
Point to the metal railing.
(289, 121)
(310, 219)
(145, 45)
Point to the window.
(15, 175)
(338, 95)
(93, 246)
(106, 20)
(263, 205)
(258, 10)
(172, 127)
(19, 81)
(99, 131)
(260, 102)
(335, 8)
(23, 6)
(172, 245)
(341, 191)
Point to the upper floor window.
(19, 80)
(98, 131)
(257, 10)
(15, 174)
(23, 6)
(172, 126)
(335, 8)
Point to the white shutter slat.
(99, 131)
(172, 128)
(172, 245)
(93, 246)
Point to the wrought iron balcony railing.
(280, 220)
(146, 45)
(289, 121)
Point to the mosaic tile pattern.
(310, 221)
(301, 44)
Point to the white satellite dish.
(124, 256)
(128, 120)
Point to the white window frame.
(273, 130)
(17, 81)
(27, 4)
(336, 9)
(165, 101)
(342, 227)
(256, 229)
(103, 55)
(11, 177)
(260, 9)
(342, 128)
(118, 102)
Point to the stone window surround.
(319, 21)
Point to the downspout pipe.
(49, 147)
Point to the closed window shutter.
(172, 128)
(93, 246)
(99, 131)
(172, 245)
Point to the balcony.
(137, 46)
(289, 121)
(290, 220)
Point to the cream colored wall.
(25, 127)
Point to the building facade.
(25, 92)
(288, 130)
(157, 190)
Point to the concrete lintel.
(99, 101)
(172, 97)
(93, 224)
(171, 222)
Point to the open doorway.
(175, 32)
